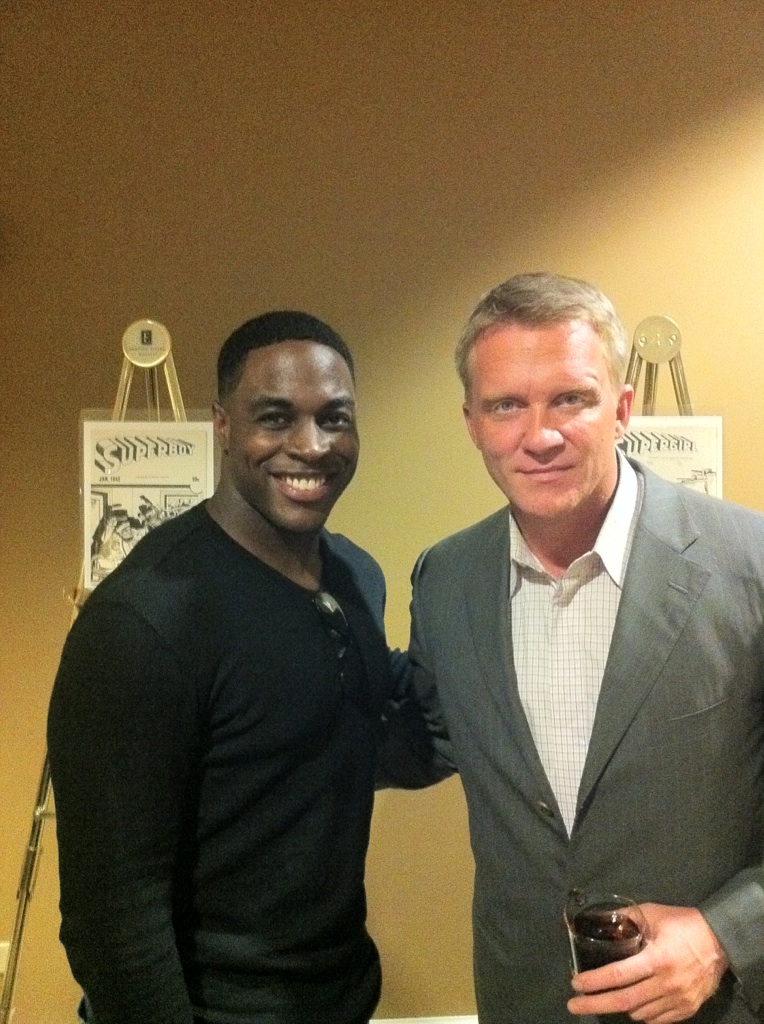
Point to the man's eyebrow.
(342, 400)
(270, 401)
(500, 396)
(591, 390)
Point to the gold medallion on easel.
(146, 345)
(657, 340)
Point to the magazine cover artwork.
(685, 449)
(136, 476)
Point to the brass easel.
(146, 345)
(657, 339)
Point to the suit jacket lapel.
(661, 589)
(486, 592)
(486, 589)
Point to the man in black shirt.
(214, 720)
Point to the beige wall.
(379, 164)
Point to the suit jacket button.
(545, 809)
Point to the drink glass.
(602, 928)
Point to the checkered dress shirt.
(561, 632)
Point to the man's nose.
(308, 439)
(541, 433)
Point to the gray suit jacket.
(671, 802)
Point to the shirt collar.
(613, 541)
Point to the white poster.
(136, 476)
(685, 449)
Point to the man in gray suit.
(591, 661)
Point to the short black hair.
(269, 329)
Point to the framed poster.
(685, 449)
(135, 476)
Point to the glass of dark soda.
(602, 928)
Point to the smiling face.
(289, 438)
(545, 414)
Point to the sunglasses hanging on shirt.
(336, 624)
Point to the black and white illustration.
(135, 476)
(685, 449)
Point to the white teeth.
(305, 483)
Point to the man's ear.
(469, 422)
(221, 422)
(623, 410)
